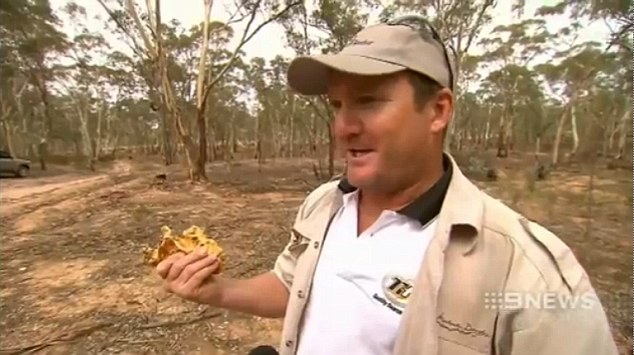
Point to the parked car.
(12, 165)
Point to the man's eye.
(366, 100)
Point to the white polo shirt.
(356, 303)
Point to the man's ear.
(442, 110)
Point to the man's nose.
(347, 123)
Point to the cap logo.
(360, 42)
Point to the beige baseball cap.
(376, 50)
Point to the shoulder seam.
(519, 247)
(311, 202)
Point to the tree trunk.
(502, 150)
(168, 149)
(487, 132)
(171, 105)
(42, 153)
(291, 129)
(98, 135)
(167, 91)
(233, 142)
(77, 148)
(331, 151)
(609, 129)
(312, 140)
(190, 154)
(575, 132)
(82, 115)
(258, 148)
(202, 144)
(274, 132)
(624, 124)
(538, 145)
(43, 148)
(7, 136)
(256, 137)
(212, 153)
(560, 130)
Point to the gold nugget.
(190, 240)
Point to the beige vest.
(481, 248)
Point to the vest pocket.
(465, 336)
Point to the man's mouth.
(355, 153)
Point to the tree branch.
(477, 25)
(232, 19)
(244, 40)
(616, 37)
(200, 82)
(150, 10)
(139, 25)
(136, 48)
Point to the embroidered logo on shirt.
(465, 329)
(396, 290)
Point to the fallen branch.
(135, 341)
(169, 324)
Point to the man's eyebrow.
(365, 90)
(376, 91)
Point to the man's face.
(385, 138)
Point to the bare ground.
(73, 281)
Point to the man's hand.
(190, 276)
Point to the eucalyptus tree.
(144, 29)
(510, 83)
(29, 38)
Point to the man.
(405, 255)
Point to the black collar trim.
(427, 206)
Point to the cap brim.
(309, 75)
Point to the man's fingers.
(164, 266)
(178, 267)
(202, 274)
(193, 268)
